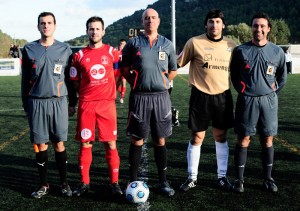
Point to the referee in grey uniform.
(150, 56)
(44, 97)
(258, 73)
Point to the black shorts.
(149, 111)
(205, 108)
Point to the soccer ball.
(137, 192)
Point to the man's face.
(214, 27)
(260, 29)
(95, 32)
(46, 26)
(150, 20)
(121, 45)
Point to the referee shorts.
(205, 108)
(259, 113)
(48, 119)
(149, 111)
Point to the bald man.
(150, 56)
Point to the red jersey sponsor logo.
(97, 71)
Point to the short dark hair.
(44, 14)
(122, 40)
(214, 13)
(262, 15)
(94, 19)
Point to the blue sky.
(18, 18)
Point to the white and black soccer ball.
(137, 192)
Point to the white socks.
(222, 153)
(193, 158)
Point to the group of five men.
(50, 73)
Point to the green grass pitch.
(18, 173)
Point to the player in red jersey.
(120, 80)
(92, 72)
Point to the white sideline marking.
(4, 110)
(14, 138)
(144, 168)
(286, 144)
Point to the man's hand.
(273, 87)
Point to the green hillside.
(189, 19)
(5, 41)
(191, 13)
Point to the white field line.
(14, 138)
(144, 167)
(287, 145)
(13, 109)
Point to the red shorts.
(102, 114)
(117, 72)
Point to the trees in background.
(6, 41)
(280, 33)
(241, 33)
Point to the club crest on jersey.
(104, 60)
(97, 71)
(86, 133)
(73, 72)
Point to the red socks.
(113, 162)
(123, 91)
(85, 159)
(119, 88)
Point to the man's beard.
(92, 41)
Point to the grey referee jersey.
(254, 70)
(43, 70)
(150, 63)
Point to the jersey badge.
(162, 56)
(57, 69)
(86, 133)
(73, 72)
(104, 60)
(270, 70)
